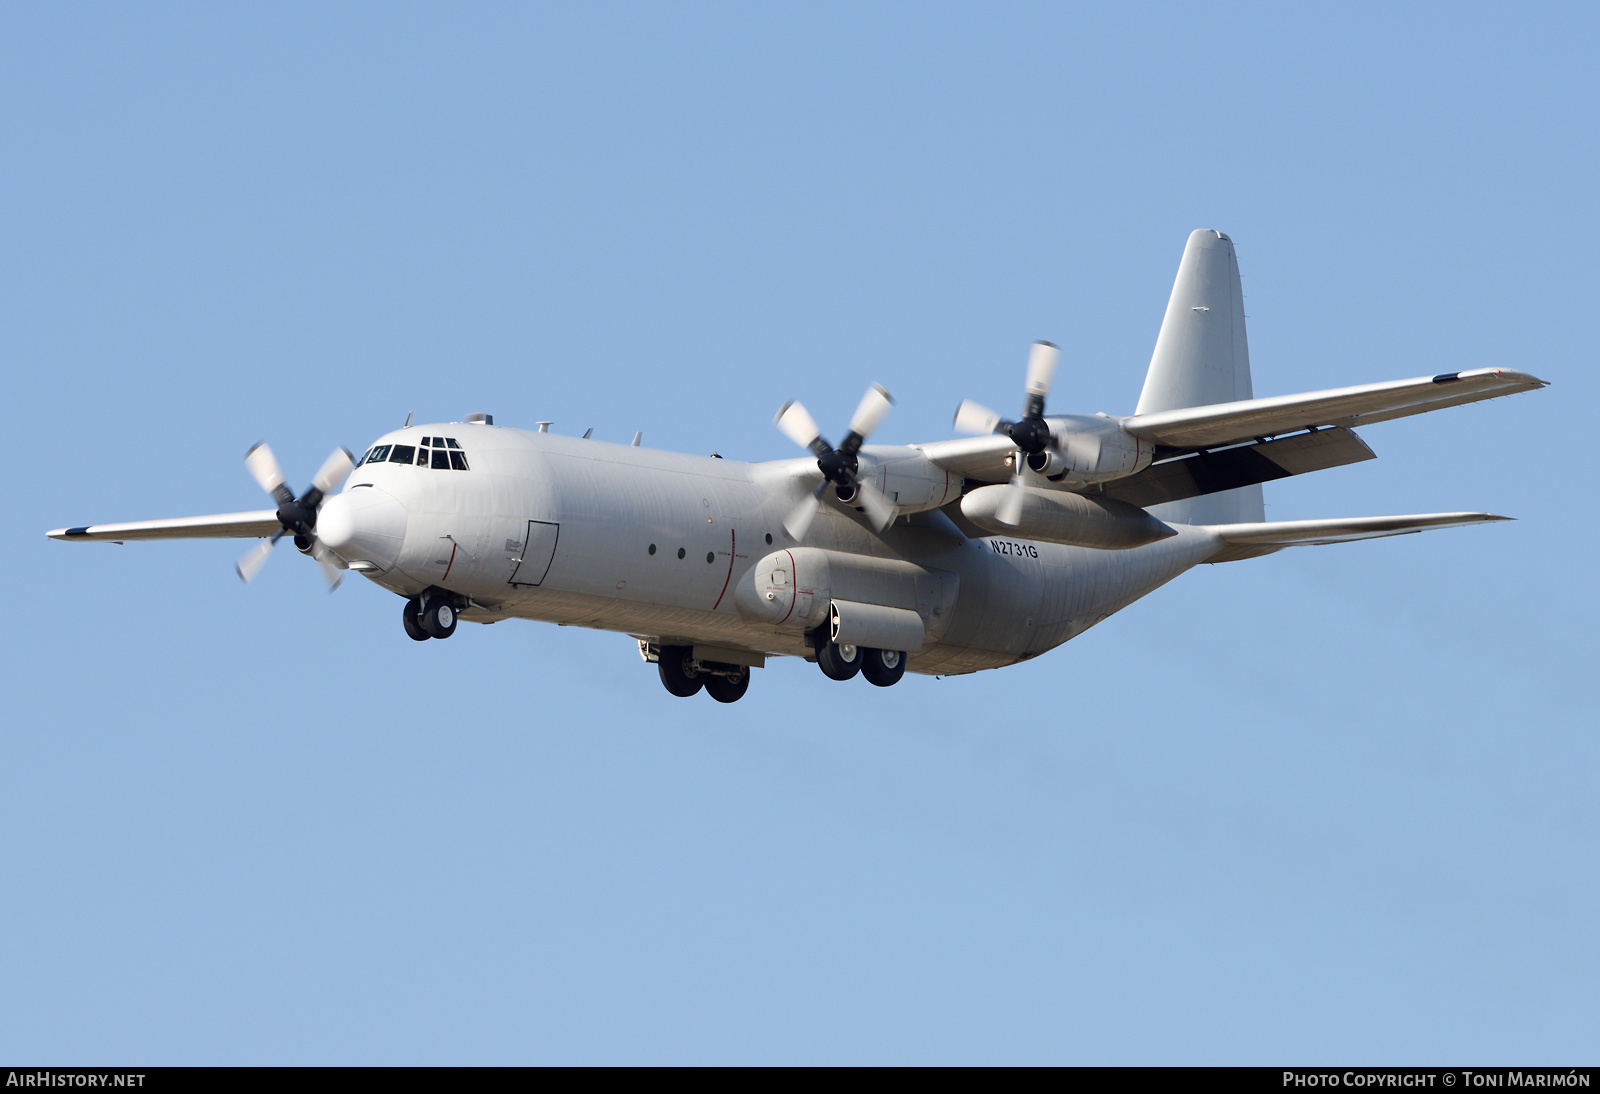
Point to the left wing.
(253, 525)
(1228, 423)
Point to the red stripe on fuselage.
(733, 542)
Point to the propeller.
(1031, 433)
(298, 516)
(839, 466)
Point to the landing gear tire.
(839, 662)
(678, 672)
(412, 616)
(883, 668)
(728, 689)
(439, 619)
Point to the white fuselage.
(652, 543)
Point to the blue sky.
(1337, 804)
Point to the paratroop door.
(538, 550)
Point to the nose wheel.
(433, 618)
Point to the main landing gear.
(682, 675)
(882, 668)
(433, 617)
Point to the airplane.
(942, 558)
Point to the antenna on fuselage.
(408, 419)
(587, 433)
(637, 437)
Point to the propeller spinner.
(1031, 433)
(298, 516)
(839, 466)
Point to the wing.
(1226, 423)
(982, 459)
(1250, 540)
(254, 525)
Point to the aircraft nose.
(363, 525)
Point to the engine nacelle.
(1094, 448)
(1057, 516)
(794, 589)
(908, 478)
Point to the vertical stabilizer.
(1202, 357)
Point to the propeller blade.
(797, 424)
(974, 417)
(255, 558)
(1042, 368)
(1009, 512)
(330, 573)
(880, 510)
(874, 405)
(263, 467)
(335, 469)
(800, 517)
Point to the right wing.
(253, 525)
(1229, 423)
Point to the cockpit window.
(439, 458)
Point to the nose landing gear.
(428, 617)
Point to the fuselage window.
(426, 441)
(458, 461)
(403, 453)
(451, 441)
(377, 454)
(422, 457)
(441, 460)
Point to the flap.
(1229, 468)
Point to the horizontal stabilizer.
(1229, 468)
(1251, 540)
(254, 525)
(1228, 423)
